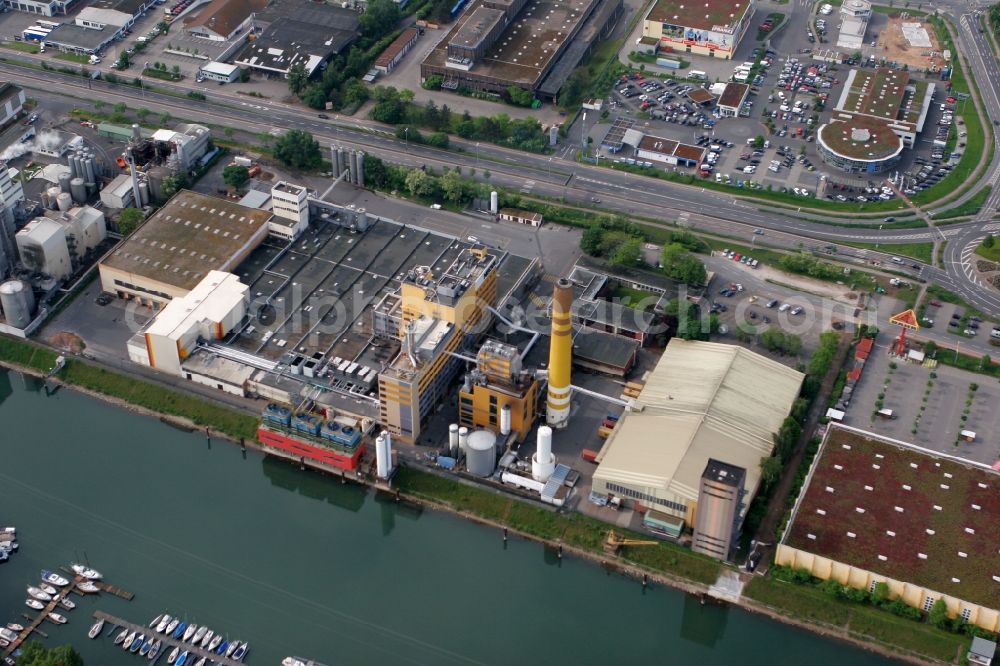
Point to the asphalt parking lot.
(794, 91)
(927, 405)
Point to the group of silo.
(344, 159)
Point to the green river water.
(296, 563)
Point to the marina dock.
(53, 605)
(168, 643)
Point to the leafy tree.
(142, 112)
(988, 242)
(679, 264)
(420, 183)
(627, 253)
(831, 587)
(590, 241)
(355, 93)
(938, 615)
(297, 78)
(173, 184)
(452, 186)
(786, 437)
(520, 96)
(379, 19)
(165, 118)
(298, 149)
(176, 69)
(235, 175)
(575, 87)
(880, 595)
(36, 654)
(793, 345)
(376, 172)
(610, 242)
(930, 348)
(129, 220)
(770, 470)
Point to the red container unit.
(298, 447)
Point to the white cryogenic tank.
(480, 453)
(505, 420)
(463, 439)
(383, 455)
(543, 463)
(17, 302)
(453, 439)
(64, 201)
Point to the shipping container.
(588, 455)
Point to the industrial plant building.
(191, 235)
(879, 113)
(705, 27)
(530, 44)
(223, 20)
(11, 103)
(298, 32)
(500, 394)
(436, 311)
(706, 408)
(874, 510)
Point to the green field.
(24, 47)
(74, 57)
(630, 296)
(572, 529)
(969, 207)
(992, 253)
(919, 251)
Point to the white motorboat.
(201, 662)
(208, 638)
(67, 604)
(170, 627)
(241, 652)
(215, 642)
(232, 648)
(128, 640)
(57, 618)
(4, 642)
(198, 635)
(155, 621)
(120, 638)
(86, 572)
(14, 626)
(39, 594)
(7, 633)
(189, 632)
(155, 649)
(95, 629)
(53, 578)
(161, 626)
(34, 604)
(172, 657)
(292, 661)
(48, 589)
(86, 586)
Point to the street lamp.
(406, 136)
(477, 153)
(879, 236)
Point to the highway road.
(547, 176)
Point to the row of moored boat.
(149, 644)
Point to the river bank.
(573, 534)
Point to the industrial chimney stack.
(560, 355)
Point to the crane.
(614, 543)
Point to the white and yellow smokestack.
(560, 355)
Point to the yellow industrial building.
(875, 510)
(191, 235)
(434, 313)
(706, 408)
(500, 395)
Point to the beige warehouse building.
(176, 248)
(704, 402)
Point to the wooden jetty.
(35, 622)
(168, 641)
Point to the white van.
(697, 74)
(897, 260)
(784, 307)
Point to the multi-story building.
(438, 313)
(43, 248)
(707, 27)
(11, 102)
(499, 394)
(720, 503)
(290, 205)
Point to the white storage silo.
(64, 179)
(453, 439)
(463, 439)
(543, 463)
(481, 453)
(64, 201)
(17, 302)
(383, 455)
(505, 420)
(53, 193)
(494, 202)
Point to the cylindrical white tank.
(453, 439)
(494, 202)
(463, 439)
(383, 455)
(71, 163)
(480, 454)
(64, 179)
(64, 201)
(362, 219)
(505, 420)
(53, 193)
(17, 302)
(90, 169)
(78, 189)
(543, 463)
(144, 192)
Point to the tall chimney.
(560, 355)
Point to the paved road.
(554, 176)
